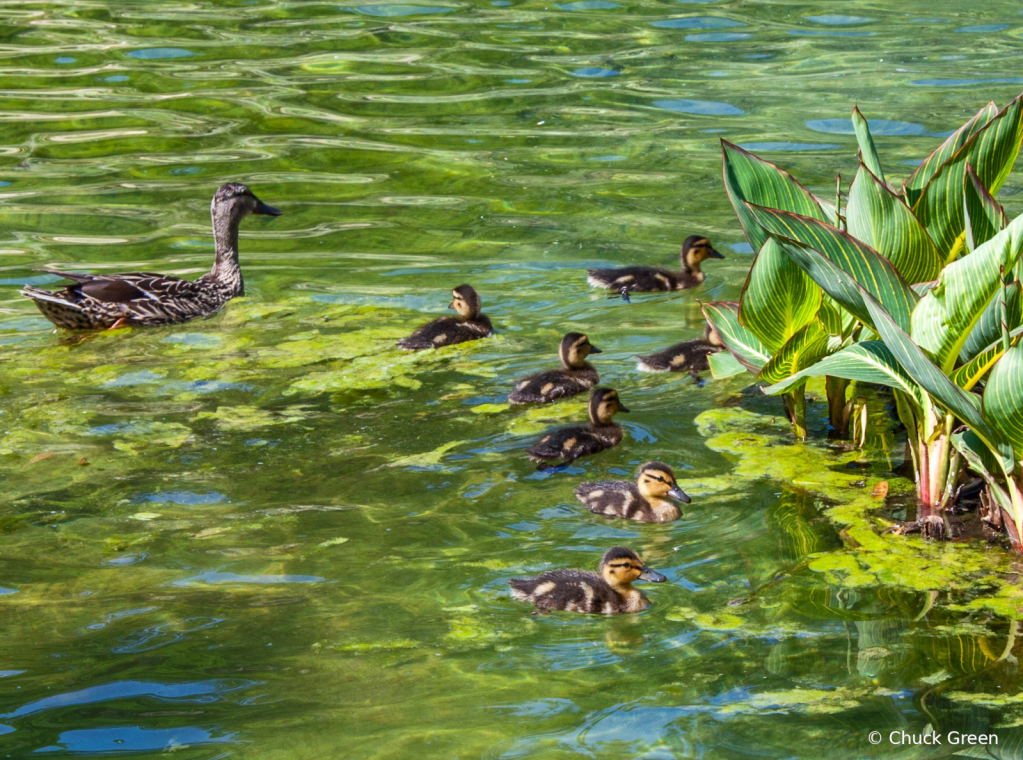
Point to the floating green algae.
(761, 447)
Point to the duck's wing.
(126, 287)
(570, 590)
(643, 279)
(558, 444)
(430, 335)
(614, 498)
(549, 386)
(687, 356)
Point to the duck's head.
(574, 349)
(656, 480)
(695, 250)
(622, 567)
(466, 301)
(710, 335)
(235, 201)
(604, 405)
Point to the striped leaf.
(802, 350)
(864, 264)
(777, 298)
(937, 384)
(1003, 397)
(866, 362)
(879, 218)
(983, 215)
(949, 312)
(971, 373)
(723, 365)
(868, 153)
(723, 316)
(989, 327)
(913, 187)
(753, 180)
(992, 152)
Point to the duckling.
(687, 356)
(107, 301)
(695, 250)
(570, 443)
(642, 501)
(609, 593)
(446, 331)
(576, 376)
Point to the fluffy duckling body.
(608, 592)
(446, 331)
(575, 376)
(569, 443)
(96, 302)
(695, 250)
(687, 356)
(642, 501)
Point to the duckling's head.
(656, 480)
(235, 201)
(711, 336)
(574, 349)
(604, 404)
(621, 567)
(695, 250)
(466, 301)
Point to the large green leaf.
(723, 316)
(971, 373)
(992, 152)
(750, 179)
(1003, 397)
(880, 219)
(802, 350)
(989, 327)
(777, 299)
(937, 384)
(868, 153)
(923, 174)
(866, 362)
(723, 365)
(874, 272)
(983, 216)
(947, 314)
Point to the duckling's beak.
(679, 494)
(262, 208)
(652, 575)
(451, 305)
(716, 254)
(595, 350)
(622, 408)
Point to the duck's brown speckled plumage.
(100, 301)
(446, 331)
(642, 501)
(569, 443)
(695, 250)
(687, 356)
(576, 375)
(609, 592)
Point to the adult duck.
(107, 301)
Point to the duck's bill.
(679, 494)
(622, 409)
(652, 575)
(595, 350)
(715, 254)
(262, 208)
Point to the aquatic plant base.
(974, 575)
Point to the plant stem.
(836, 387)
(795, 408)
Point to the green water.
(268, 534)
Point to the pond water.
(269, 534)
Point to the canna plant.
(932, 350)
(903, 237)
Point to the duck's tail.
(58, 307)
(600, 278)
